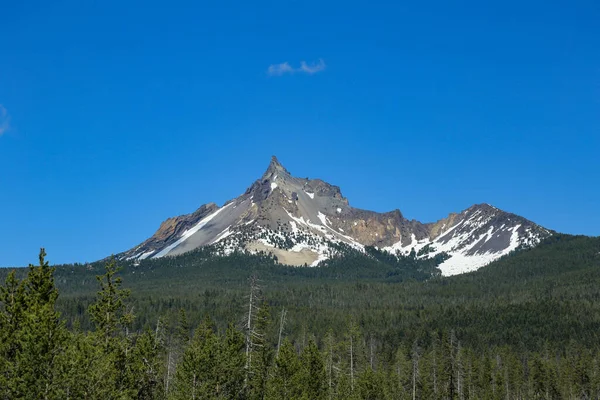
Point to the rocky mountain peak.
(275, 168)
(300, 221)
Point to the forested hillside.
(360, 326)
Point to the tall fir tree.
(197, 375)
(42, 336)
(286, 380)
(109, 313)
(12, 315)
(231, 364)
(313, 373)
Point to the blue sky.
(118, 114)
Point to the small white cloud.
(280, 69)
(286, 68)
(4, 120)
(312, 68)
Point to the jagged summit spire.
(274, 168)
(275, 161)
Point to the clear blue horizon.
(117, 115)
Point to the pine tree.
(87, 373)
(197, 375)
(42, 336)
(182, 334)
(399, 381)
(13, 302)
(177, 344)
(109, 313)
(369, 385)
(286, 381)
(330, 363)
(145, 367)
(343, 388)
(538, 378)
(485, 379)
(231, 365)
(355, 351)
(111, 337)
(313, 373)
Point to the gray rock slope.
(298, 219)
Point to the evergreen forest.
(360, 326)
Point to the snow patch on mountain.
(191, 231)
(294, 227)
(146, 255)
(460, 262)
(223, 235)
(322, 218)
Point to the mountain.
(304, 221)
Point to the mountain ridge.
(299, 219)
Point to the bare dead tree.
(459, 371)
(352, 362)
(415, 374)
(281, 325)
(330, 366)
(169, 366)
(249, 323)
(434, 364)
(371, 350)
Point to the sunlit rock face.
(301, 220)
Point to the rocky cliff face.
(298, 220)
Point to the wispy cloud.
(280, 69)
(312, 68)
(305, 68)
(4, 120)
